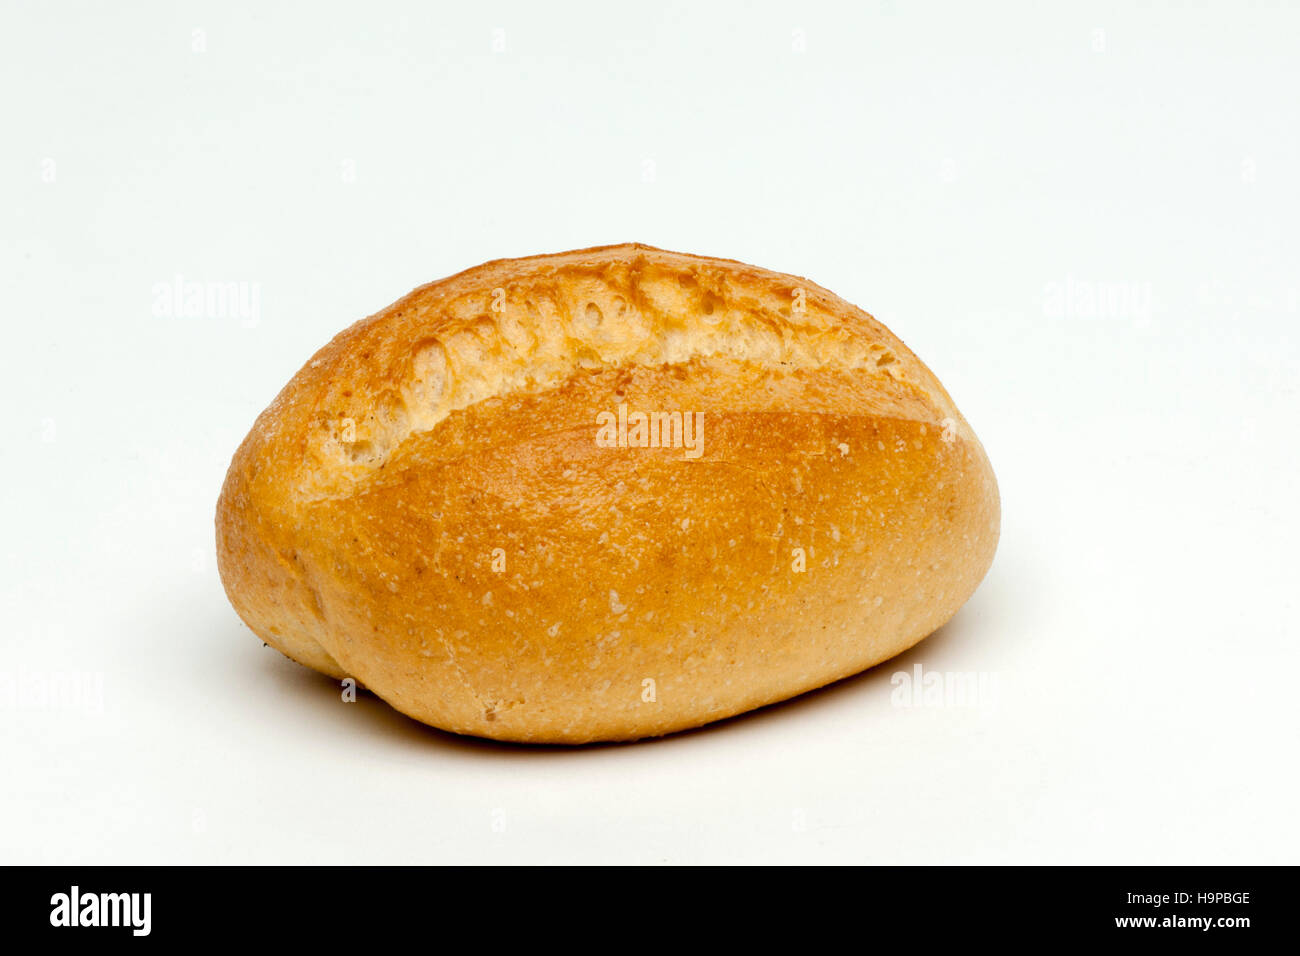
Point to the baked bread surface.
(427, 506)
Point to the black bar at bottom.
(367, 905)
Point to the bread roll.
(605, 495)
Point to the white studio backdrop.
(1081, 216)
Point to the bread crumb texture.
(429, 506)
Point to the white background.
(977, 177)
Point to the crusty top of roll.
(526, 325)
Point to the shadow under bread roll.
(604, 495)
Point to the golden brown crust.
(425, 506)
